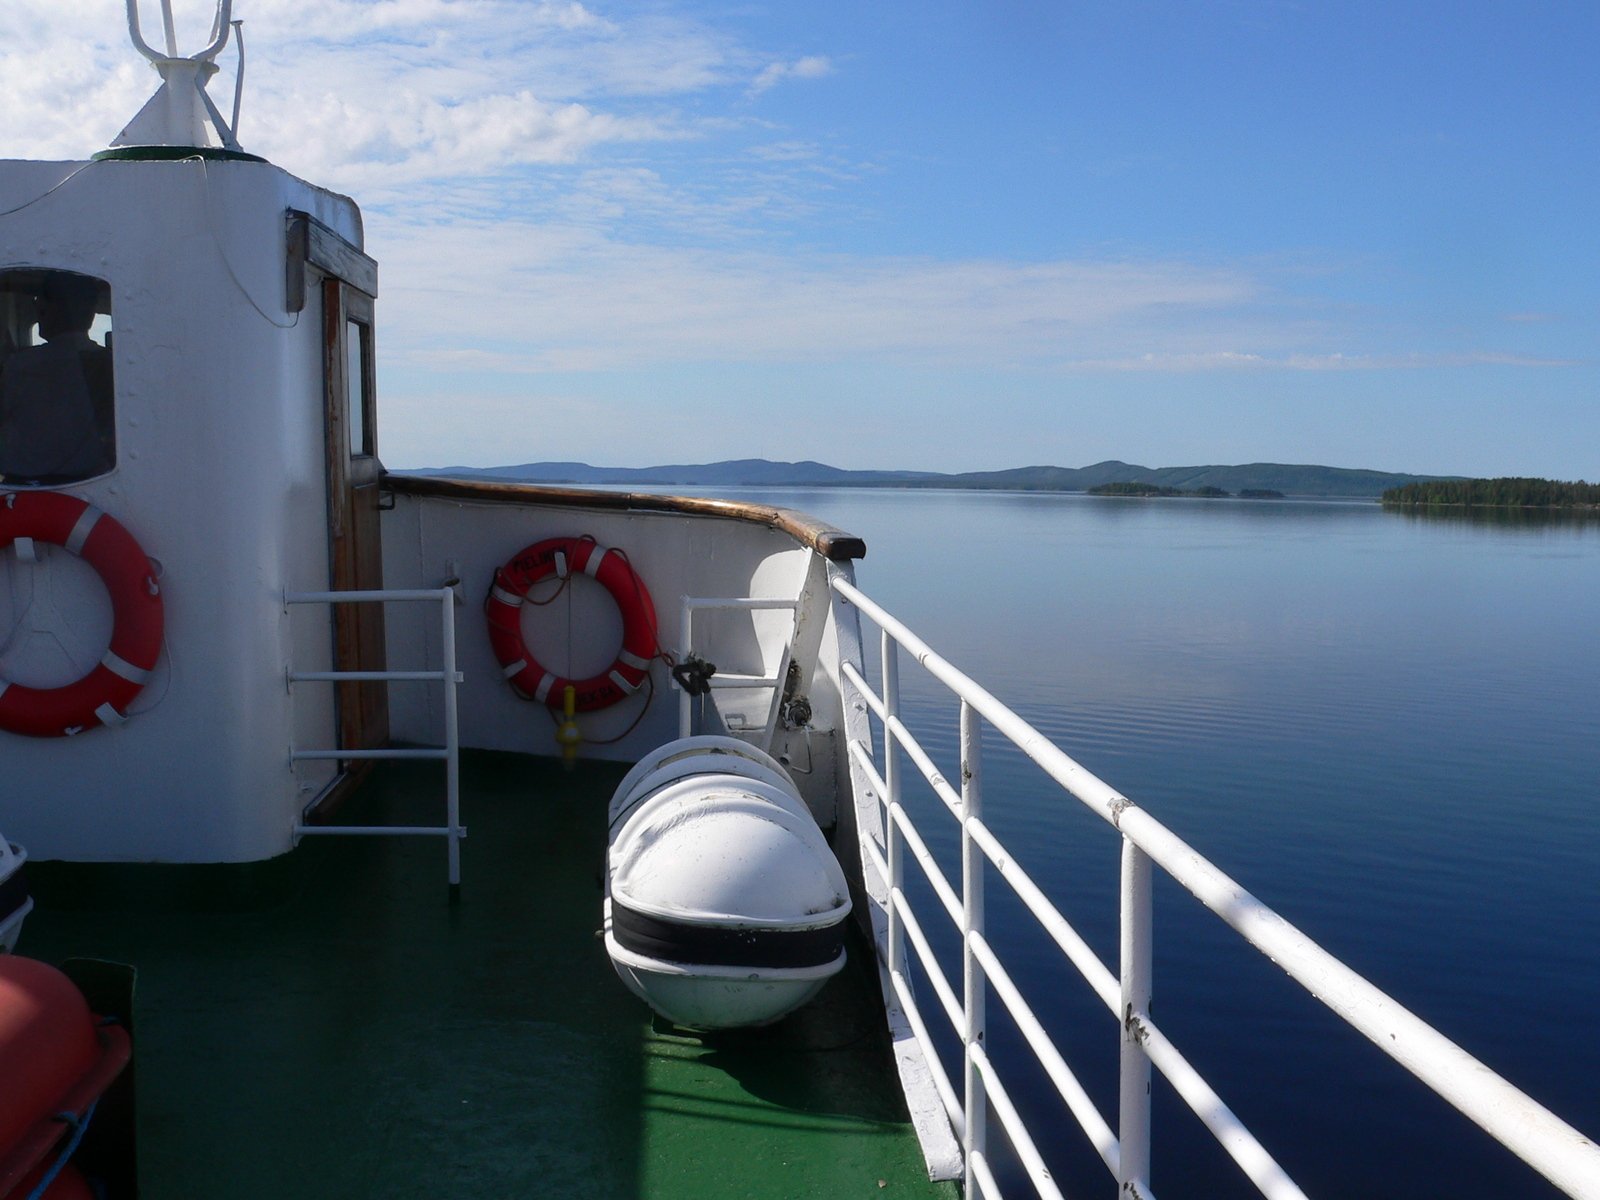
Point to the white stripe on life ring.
(121, 666)
(514, 667)
(618, 678)
(26, 551)
(596, 557)
(109, 715)
(81, 531)
(629, 659)
(511, 599)
(561, 565)
(543, 690)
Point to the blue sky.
(946, 235)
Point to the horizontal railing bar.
(1021, 1140)
(1070, 1089)
(1054, 761)
(353, 755)
(862, 756)
(1251, 1156)
(739, 602)
(919, 850)
(989, 1189)
(863, 689)
(925, 764)
(879, 863)
(366, 676)
(375, 596)
(930, 964)
(919, 1030)
(1082, 956)
(720, 680)
(1532, 1132)
(378, 830)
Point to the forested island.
(1508, 492)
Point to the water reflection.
(1499, 518)
(1383, 727)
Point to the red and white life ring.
(102, 696)
(564, 557)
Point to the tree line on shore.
(1507, 492)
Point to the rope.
(649, 686)
(80, 1126)
(221, 253)
(52, 191)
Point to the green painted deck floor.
(359, 1036)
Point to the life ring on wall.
(563, 558)
(102, 696)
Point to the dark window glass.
(57, 395)
(358, 367)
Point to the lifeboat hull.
(725, 906)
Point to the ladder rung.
(299, 755)
(365, 676)
(743, 681)
(377, 830)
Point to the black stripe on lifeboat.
(724, 946)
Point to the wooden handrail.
(827, 541)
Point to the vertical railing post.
(1133, 1123)
(893, 849)
(452, 744)
(972, 923)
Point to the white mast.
(180, 113)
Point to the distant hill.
(738, 472)
(1290, 479)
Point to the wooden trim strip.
(313, 244)
(827, 541)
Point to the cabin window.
(358, 386)
(56, 391)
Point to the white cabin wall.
(426, 539)
(220, 476)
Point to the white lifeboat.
(725, 906)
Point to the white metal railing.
(724, 679)
(450, 753)
(1557, 1151)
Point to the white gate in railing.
(450, 753)
(1553, 1148)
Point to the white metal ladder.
(694, 604)
(453, 831)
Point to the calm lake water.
(1383, 725)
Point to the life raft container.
(563, 558)
(56, 1059)
(102, 696)
(724, 906)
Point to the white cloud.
(557, 188)
(811, 67)
(569, 298)
(355, 93)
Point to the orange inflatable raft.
(56, 1058)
